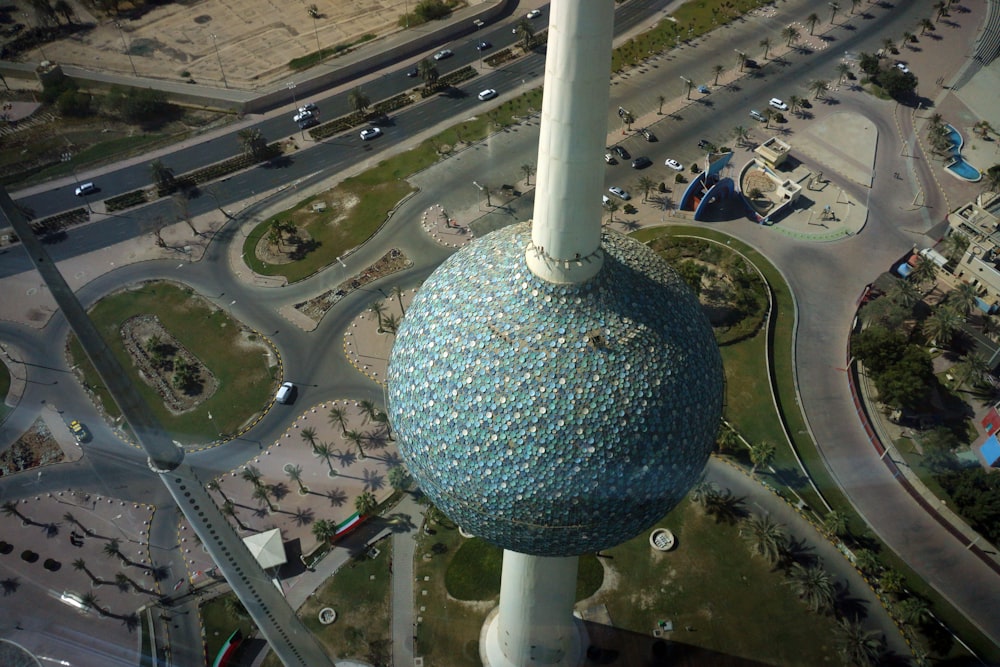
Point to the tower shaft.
(534, 624)
(294, 645)
(566, 229)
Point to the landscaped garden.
(205, 375)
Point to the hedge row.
(500, 57)
(344, 123)
(449, 80)
(233, 164)
(57, 223)
(126, 200)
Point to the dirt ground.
(250, 42)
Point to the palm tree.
(741, 134)
(941, 325)
(813, 585)
(702, 491)
(888, 45)
(660, 99)
(64, 8)
(835, 523)
(867, 561)
(163, 176)
(112, 549)
(612, 206)
(213, 485)
(526, 33)
(726, 438)
(741, 59)
(913, 611)
(357, 439)
(925, 25)
(761, 454)
(123, 582)
(262, 492)
(940, 9)
(365, 503)
(907, 37)
(925, 271)
(528, 170)
(857, 646)
(811, 21)
(790, 34)
(324, 451)
(68, 516)
(323, 529)
(399, 478)
(89, 600)
(766, 45)
(10, 509)
(428, 72)
(252, 475)
(717, 70)
(368, 410)
(843, 69)
(391, 324)
(358, 100)
(834, 7)
(379, 309)
(309, 435)
(229, 509)
(818, 87)
(854, 5)
(253, 142)
(336, 416)
(768, 116)
(891, 582)
(646, 184)
(81, 565)
(963, 298)
(972, 367)
(397, 292)
(295, 474)
(765, 537)
(904, 293)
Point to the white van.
(286, 393)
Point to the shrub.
(679, 178)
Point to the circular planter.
(662, 539)
(327, 615)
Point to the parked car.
(413, 72)
(483, 45)
(286, 393)
(310, 107)
(641, 162)
(674, 164)
(778, 104)
(370, 133)
(703, 89)
(706, 144)
(619, 192)
(85, 189)
(79, 431)
(487, 94)
(648, 134)
(443, 53)
(605, 200)
(610, 159)
(621, 152)
(903, 68)
(756, 115)
(533, 14)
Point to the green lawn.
(235, 357)
(219, 623)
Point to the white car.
(302, 115)
(903, 68)
(370, 133)
(778, 104)
(443, 53)
(619, 192)
(308, 106)
(534, 14)
(85, 189)
(487, 94)
(674, 164)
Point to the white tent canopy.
(267, 548)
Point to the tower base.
(491, 653)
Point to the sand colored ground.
(255, 38)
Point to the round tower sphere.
(554, 420)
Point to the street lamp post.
(688, 83)
(219, 58)
(742, 57)
(125, 48)
(67, 157)
(291, 87)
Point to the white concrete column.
(534, 624)
(566, 228)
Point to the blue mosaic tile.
(528, 431)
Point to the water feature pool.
(958, 166)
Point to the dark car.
(641, 162)
(483, 45)
(413, 72)
(647, 134)
(750, 63)
(621, 152)
(706, 144)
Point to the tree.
(229, 509)
(857, 646)
(766, 45)
(867, 561)
(888, 46)
(954, 246)
(897, 83)
(391, 324)
(358, 100)
(81, 566)
(972, 367)
(818, 87)
(295, 474)
(940, 10)
(399, 478)
(925, 25)
(761, 454)
(612, 206)
(68, 516)
(941, 325)
(646, 184)
(717, 70)
(790, 34)
(904, 293)
(794, 102)
(112, 549)
(660, 99)
(213, 485)
(356, 439)
(854, 5)
(398, 293)
(764, 537)
(252, 143)
(528, 170)
(66, 9)
(868, 63)
(428, 72)
(741, 59)
(741, 134)
(309, 435)
(913, 611)
(336, 417)
(891, 582)
(44, 13)
(525, 33)
(163, 176)
(251, 474)
(925, 271)
(10, 509)
(368, 410)
(365, 503)
(325, 452)
(835, 523)
(90, 601)
(813, 585)
(378, 309)
(263, 492)
(702, 491)
(843, 69)
(324, 529)
(811, 21)
(834, 8)
(963, 298)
